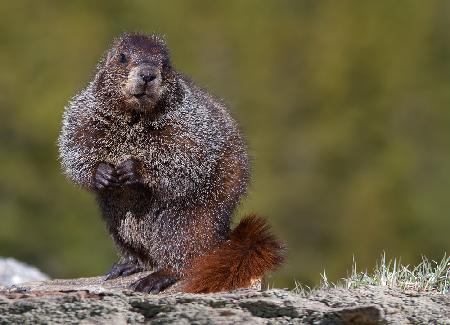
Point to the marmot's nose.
(147, 75)
(148, 78)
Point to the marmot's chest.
(125, 141)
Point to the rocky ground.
(94, 301)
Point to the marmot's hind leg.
(156, 282)
(126, 266)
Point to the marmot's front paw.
(105, 176)
(128, 172)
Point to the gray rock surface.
(15, 272)
(94, 301)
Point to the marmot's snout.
(144, 84)
(147, 73)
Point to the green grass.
(430, 276)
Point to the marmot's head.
(135, 72)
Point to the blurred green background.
(345, 104)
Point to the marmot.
(168, 165)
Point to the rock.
(95, 301)
(15, 272)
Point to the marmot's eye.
(122, 58)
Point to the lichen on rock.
(95, 301)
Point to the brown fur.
(250, 253)
(168, 165)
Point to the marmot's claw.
(122, 269)
(154, 282)
(105, 176)
(128, 172)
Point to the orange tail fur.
(251, 252)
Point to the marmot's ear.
(100, 75)
(109, 55)
(103, 60)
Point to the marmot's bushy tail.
(251, 252)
